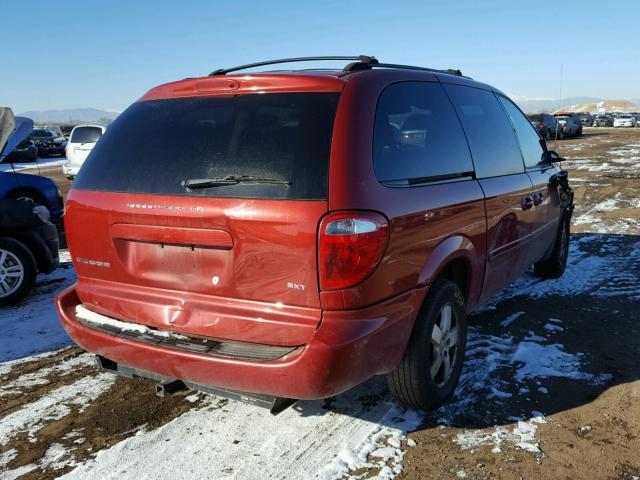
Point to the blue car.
(13, 185)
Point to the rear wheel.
(429, 372)
(555, 265)
(17, 271)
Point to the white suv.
(82, 140)
(624, 121)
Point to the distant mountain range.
(86, 115)
(70, 115)
(547, 105)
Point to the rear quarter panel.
(429, 225)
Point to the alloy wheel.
(11, 273)
(444, 346)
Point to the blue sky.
(107, 54)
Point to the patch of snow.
(83, 313)
(32, 326)
(510, 319)
(54, 406)
(298, 443)
(544, 361)
(522, 436)
(7, 456)
(553, 328)
(39, 377)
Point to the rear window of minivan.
(85, 135)
(156, 145)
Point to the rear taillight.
(350, 246)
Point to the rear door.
(507, 188)
(230, 259)
(546, 203)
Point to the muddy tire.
(429, 372)
(555, 265)
(17, 271)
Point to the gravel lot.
(551, 387)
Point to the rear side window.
(491, 137)
(530, 142)
(86, 135)
(156, 145)
(417, 135)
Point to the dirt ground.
(585, 425)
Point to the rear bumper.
(347, 348)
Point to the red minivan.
(286, 235)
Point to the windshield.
(154, 146)
(41, 133)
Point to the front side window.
(417, 136)
(530, 142)
(491, 137)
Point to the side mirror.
(553, 157)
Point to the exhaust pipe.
(171, 386)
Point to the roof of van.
(303, 80)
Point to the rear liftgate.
(170, 386)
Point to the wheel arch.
(457, 259)
(27, 191)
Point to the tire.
(17, 271)
(555, 265)
(412, 382)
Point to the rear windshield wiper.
(229, 180)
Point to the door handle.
(526, 203)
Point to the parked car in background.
(82, 140)
(603, 121)
(66, 130)
(570, 124)
(294, 243)
(28, 240)
(586, 119)
(25, 151)
(48, 142)
(55, 129)
(625, 120)
(28, 246)
(41, 190)
(545, 124)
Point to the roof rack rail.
(361, 66)
(361, 60)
